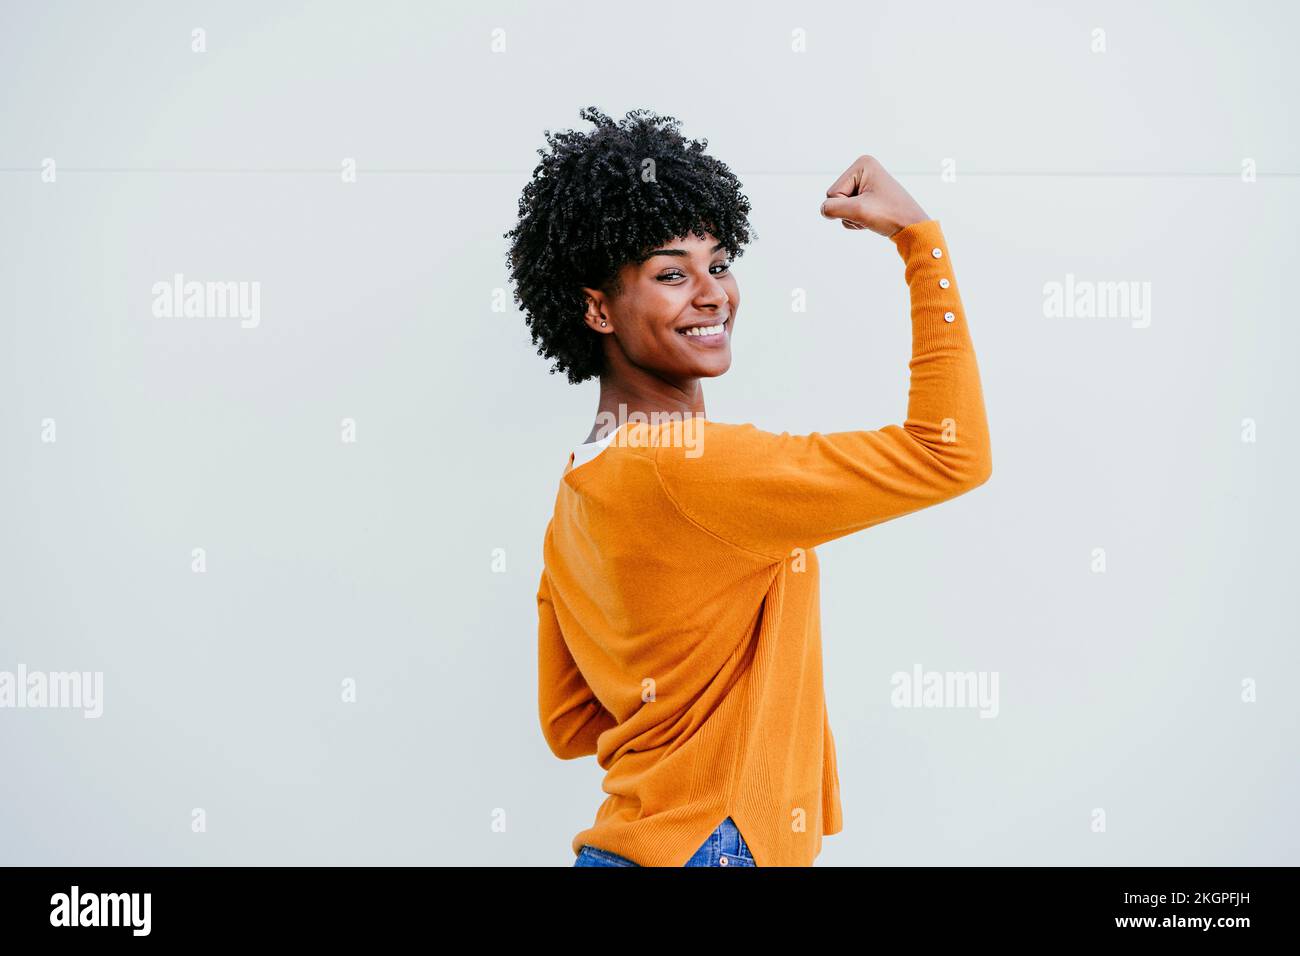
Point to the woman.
(678, 633)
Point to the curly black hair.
(604, 198)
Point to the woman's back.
(679, 623)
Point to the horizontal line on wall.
(437, 171)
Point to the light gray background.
(372, 560)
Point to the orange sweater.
(679, 634)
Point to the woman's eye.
(723, 266)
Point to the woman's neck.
(620, 401)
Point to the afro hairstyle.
(599, 200)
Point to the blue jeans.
(724, 847)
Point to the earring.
(602, 323)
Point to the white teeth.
(706, 330)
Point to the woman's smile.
(708, 336)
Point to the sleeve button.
(948, 316)
(943, 283)
(937, 252)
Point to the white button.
(937, 252)
(943, 283)
(722, 862)
(948, 316)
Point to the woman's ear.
(595, 316)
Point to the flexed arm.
(771, 493)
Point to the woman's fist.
(867, 197)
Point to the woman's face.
(682, 284)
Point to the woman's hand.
(867, 197)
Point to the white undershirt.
(589, 450)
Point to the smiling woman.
(671, 319)
(710, 331)
(625, 240)
(679, 634)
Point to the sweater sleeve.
(572, 717)
(771, 494)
